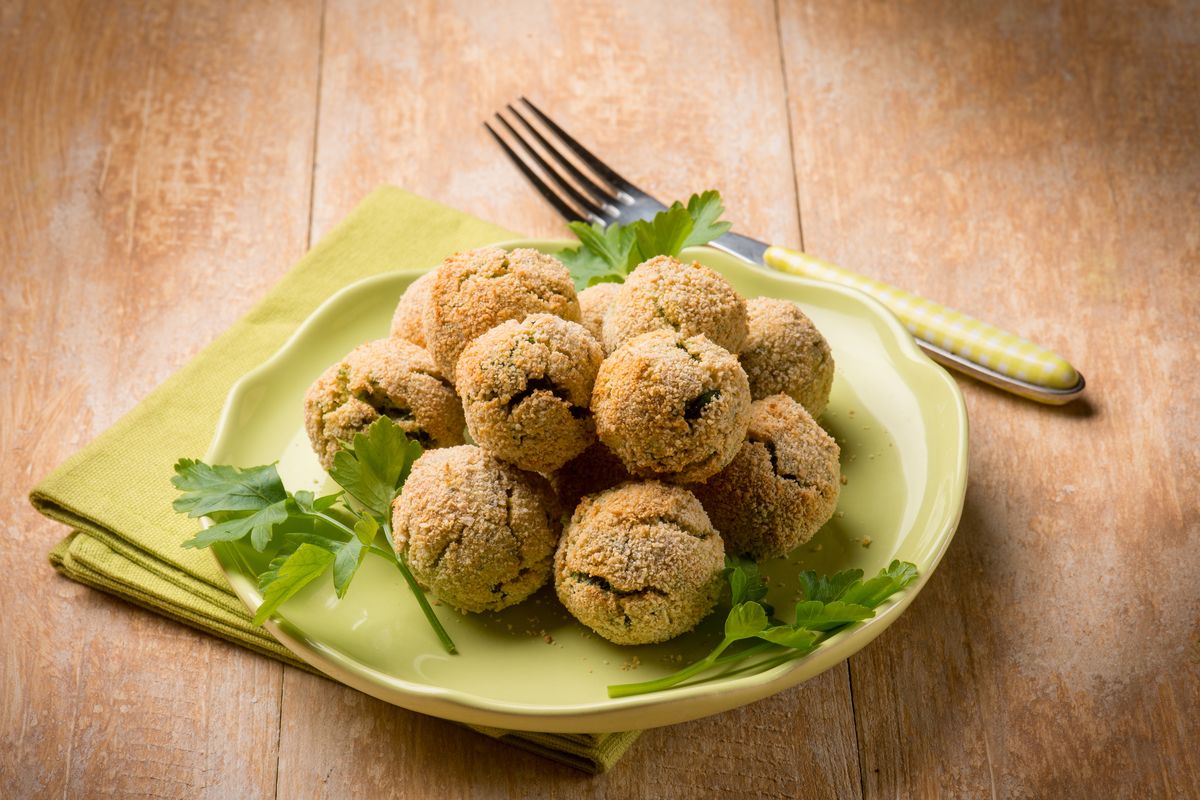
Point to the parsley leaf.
(819, 616)
(228, 493)
(223, 488)
(745, 581)
(585, 266)
(259, 525)
(834, 603)
(745, 621)
(348, 559)
(376, 464)
(871, 593)
(607, 254)
(311, 505)
(705, 209)
(604, 253)
(827, 588)
(797, 638)
(350, 554)
(665, 234)
(288, 574)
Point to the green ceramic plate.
(902, 427)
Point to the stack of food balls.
(625, 438)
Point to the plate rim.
(611, 714)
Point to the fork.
(950, 337)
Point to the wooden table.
(1037, 164)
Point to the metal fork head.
(582, 187)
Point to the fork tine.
(599, 167)
(602, 196)
(563, 208)
(580, 200)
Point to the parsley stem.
(402, 564)
(390, 555)
(674, 679)
(760, 666)
(334, 521)
(755, 649)
(717, 658)
(447, 642)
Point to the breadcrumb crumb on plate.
(904, 452)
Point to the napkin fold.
(116, 494)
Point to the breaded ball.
(476, 290)
(592, 471)
(784, 353)
(409, 320)
(478, 532)
(593, 305)
(640, 563)
(387, 377)
(526, 387)
(690, 299)
(780, 488)
(672, 407)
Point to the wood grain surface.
(1035, 164)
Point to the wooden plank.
(1035, 165)
(155, 161)
(678, 102)
(783, 747)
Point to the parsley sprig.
(309, 535)
(831, 603)
(607, 254)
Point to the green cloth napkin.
(116, 494)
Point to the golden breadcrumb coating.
(479, 533)
(784, 353)
(592, 471)
(780, 488)
(640, 563)
(409, 320)
(690, 299)
(526, 387)
(593, 305)
(387, 377)
(476, 290)
(672, 407)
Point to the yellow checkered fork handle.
(943, 327)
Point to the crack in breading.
(508, 494)
(769, 446)
(621, 594)
(544, 292)
(694, 408)
(456, 539)
(499, 589)
(435, 376)
(674, 523)
(535, 385)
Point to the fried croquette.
(593, 305)
(639, 563)
(690, 299)
(478, 532)
(784, 353)
(387, 377)
(526, 387)
(476, 290)
(780, 488)
(409, 319)
(672, 407)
